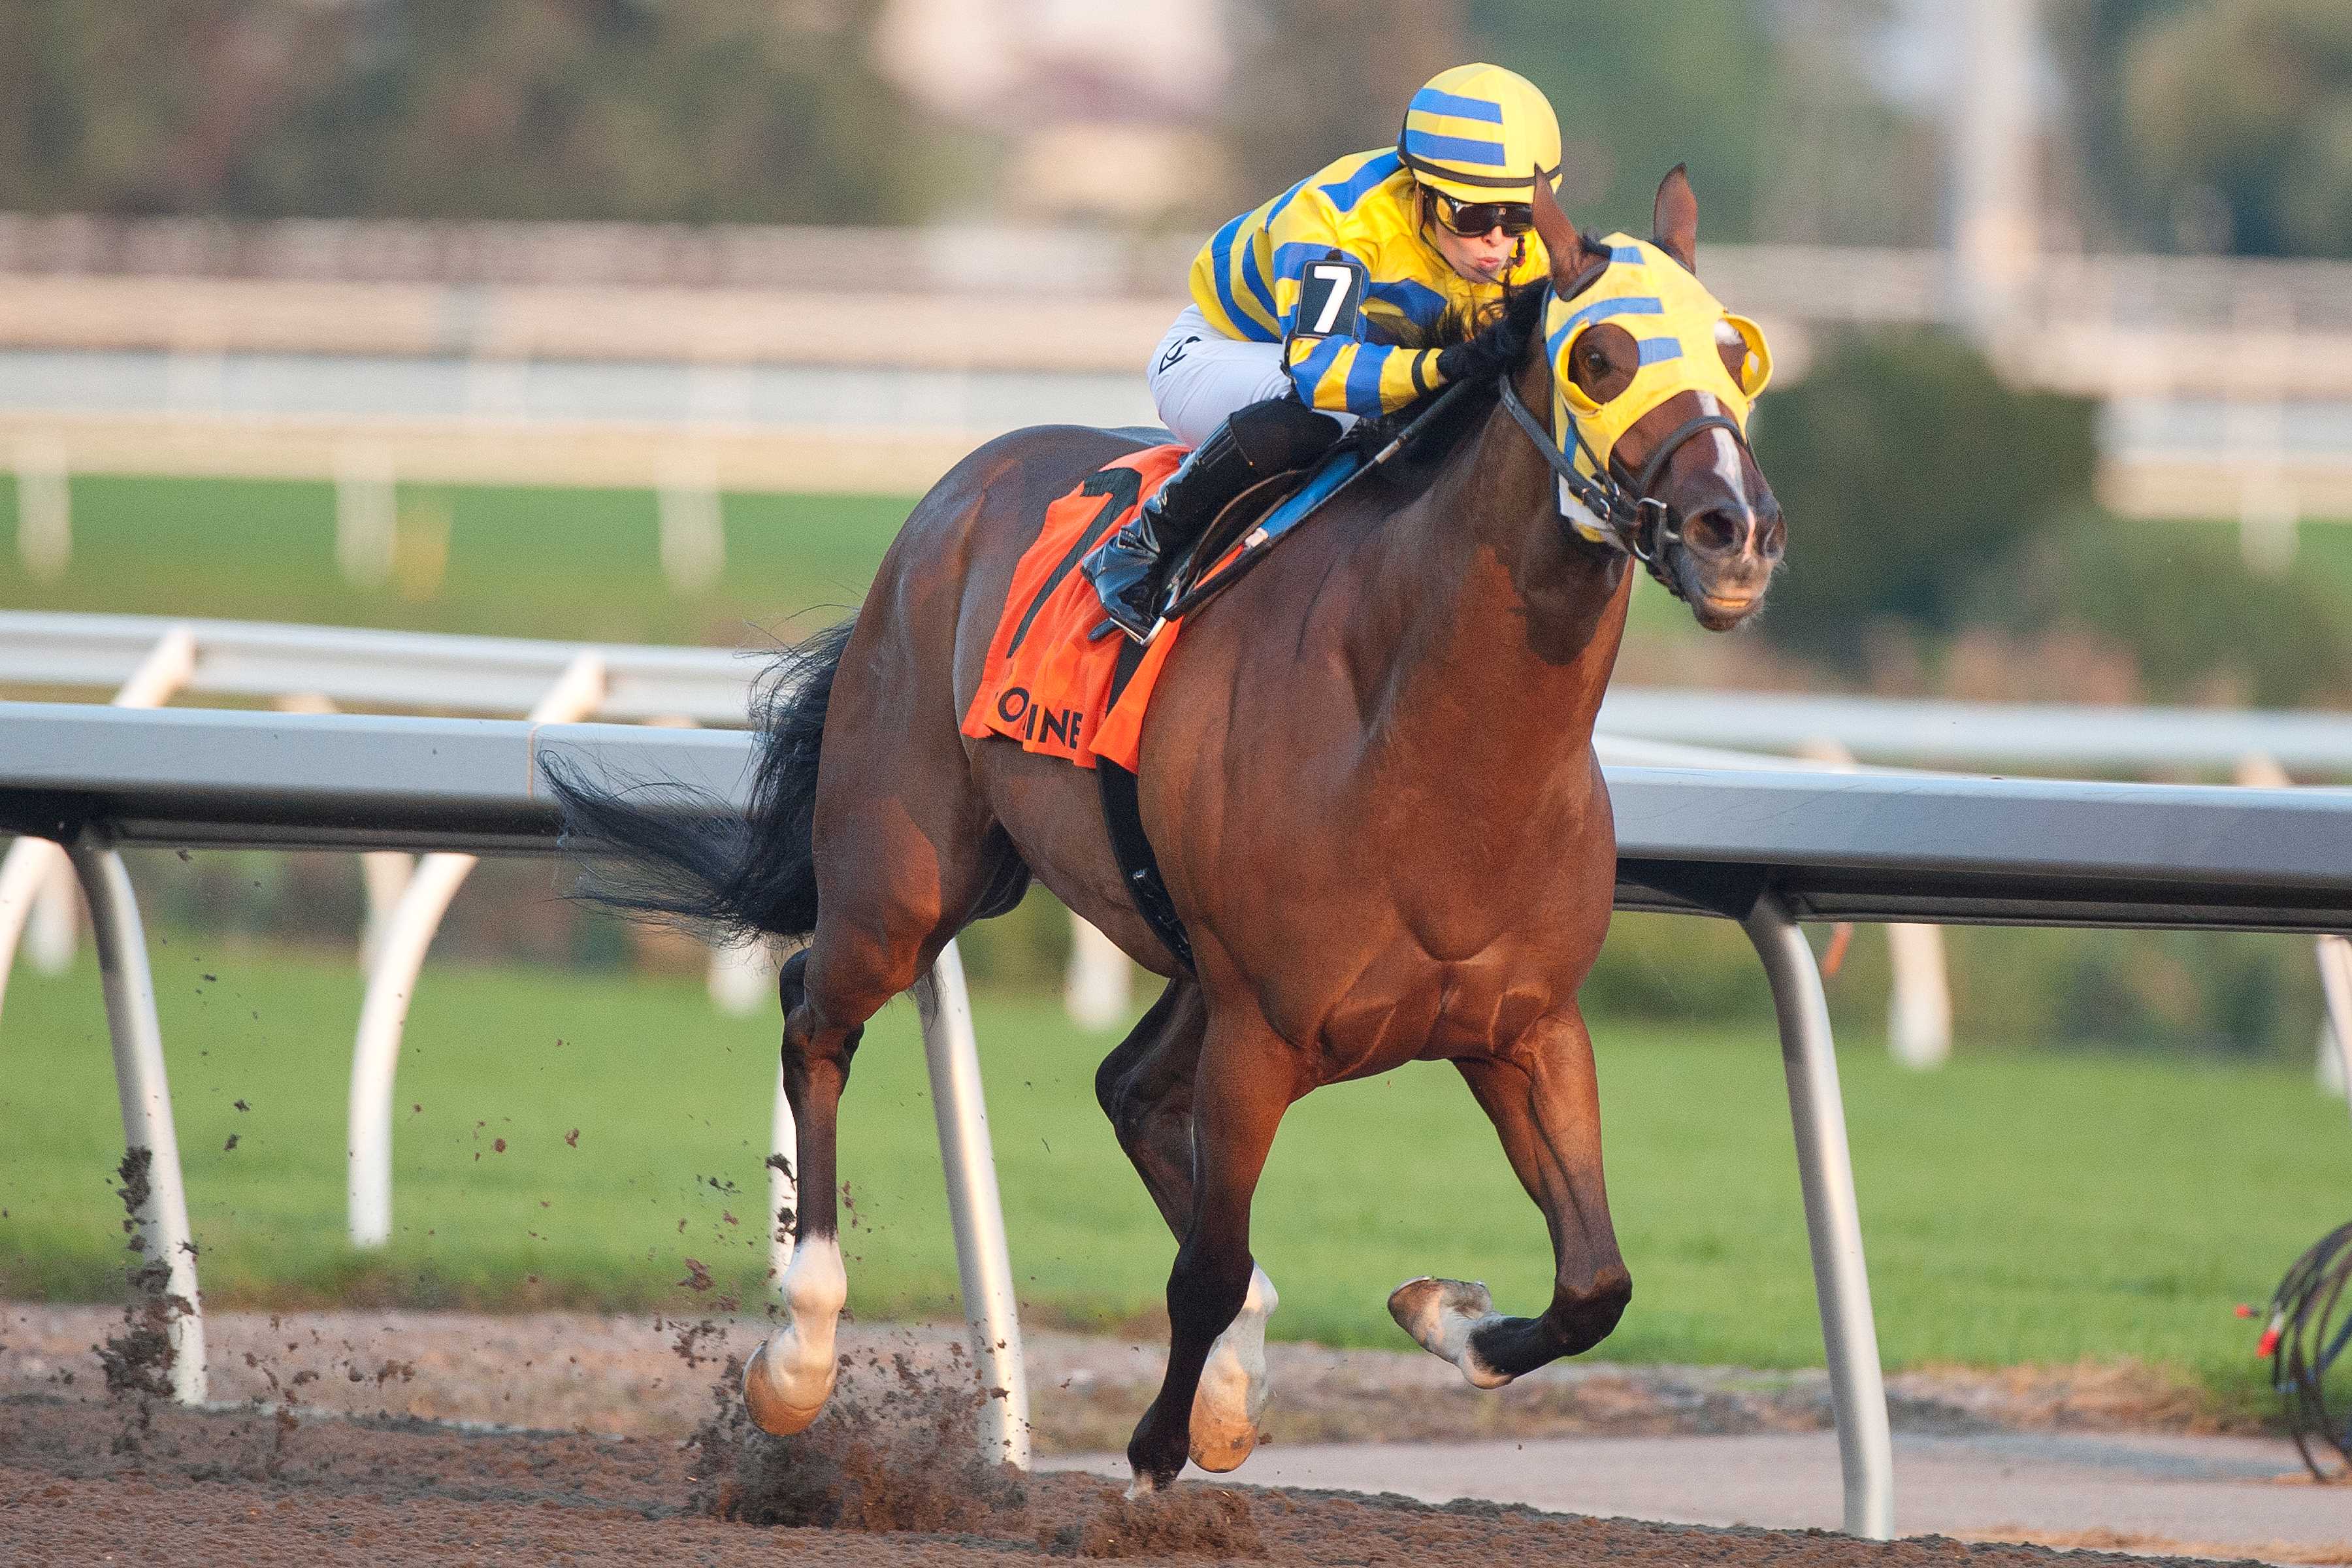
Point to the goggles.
(1473, 220)
(1681, 331)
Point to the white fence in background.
(695, 359)
(318, 669)
(2255, 749)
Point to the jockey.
(1318, 309)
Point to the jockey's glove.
(1499, 348)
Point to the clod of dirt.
(1200, 1522)
(137, 1359)
(692, 1337)
(897, 1449)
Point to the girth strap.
(1138, 866)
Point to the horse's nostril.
(1712, 532)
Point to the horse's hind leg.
(1145, 1086)
(900, 869)
(1544, 1100)
(788, 1377)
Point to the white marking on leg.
(1441, 1315)
(790, 1377)
(1233, 1390)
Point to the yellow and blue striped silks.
(1247, 282)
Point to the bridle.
(1639, 525)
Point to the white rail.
(1769, 848)
(392, 974)
(323, 668)
(235, 659)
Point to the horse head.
(1652, 379)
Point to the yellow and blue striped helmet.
(1476, 131)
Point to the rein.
(1639, 525)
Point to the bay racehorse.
(1368, 770)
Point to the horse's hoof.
(1232, 1389)
(789, 1376)
(1142, 1487)
(1441, 1315)
(783, 1405)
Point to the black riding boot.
(1129, 569)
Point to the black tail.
(670, 852)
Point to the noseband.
(1639, 525)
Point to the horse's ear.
(1562, 243)
(1674, 218)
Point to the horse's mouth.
(1721, 612)
(1731, 597)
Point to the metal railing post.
(392, 980)
(982, 1258)
(146, 1098)
(1919, 998)
(30, 863)
(2255, 771)
(2334, 955)
(1099, 986)
(1833, 1220)
(741, 978)
(784, 1183)
(375, 1056)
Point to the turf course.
(2018, 1207)
(573, 563)
(492, 561)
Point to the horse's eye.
(1596, 361)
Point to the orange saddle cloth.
(1045, 684)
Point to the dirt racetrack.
(79, 1484)
(888, 1476)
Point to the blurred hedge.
(1929, 502)
(1907, 470)
(2198, 624)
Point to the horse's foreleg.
(1244, 1084)
(1145, 1086)
(1543, 1098)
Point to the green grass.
(555, 562)
(574, 563)
(2018, 1209)
(512, 562)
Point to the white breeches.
(1199, 375)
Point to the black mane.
(1411, 470)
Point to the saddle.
(1055, 687)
